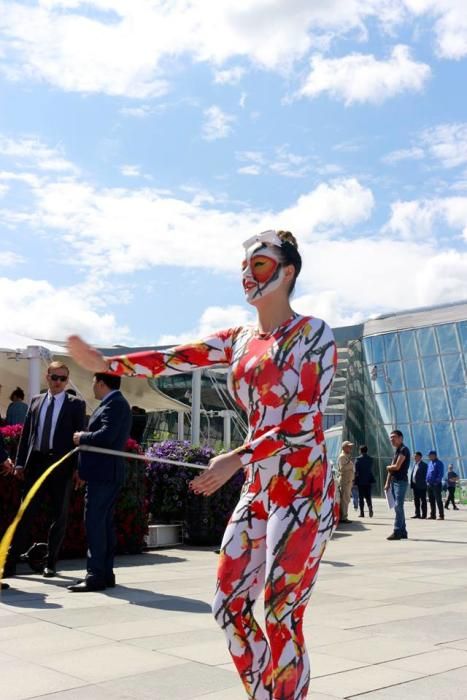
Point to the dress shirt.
(59, 399)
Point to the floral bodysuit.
(286, 513)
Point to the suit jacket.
(109, 426)
(71, 419)
(420, 477)
(363, 471)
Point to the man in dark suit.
(364, 479)
(109, 426)
(418, 485)
(51, 421)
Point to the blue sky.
(141, 142)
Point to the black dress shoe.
(49, 572)
(4, 586)
(110, 582)
(371, 513)
(86, 587)
(394, 536)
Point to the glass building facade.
(413, 379)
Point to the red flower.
(279, 636)
(258, 510)
(297, 548)
(280, 491)
(309, 378)
(318, 428)
(267, 448)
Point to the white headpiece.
(266, 237)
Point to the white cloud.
(249, 170)
(140, 112)
(31, 150)
(125, 47)
(414, 153)
(9, 259)
(417, 219)
(363, 78)
(229, 76)
(450, 24)
(330, 207)
(213, 319)
(130, 170)
(218, 124)
(38, 309)
(447, 143)
(289, 164)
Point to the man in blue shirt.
(434, 479)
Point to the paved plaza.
(388, 621)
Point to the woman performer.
(280, 374)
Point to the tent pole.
(34, 371)
(195, 406)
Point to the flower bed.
(170, 500)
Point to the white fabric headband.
(266, 237)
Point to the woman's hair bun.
(288, 237)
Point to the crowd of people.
(427, 480)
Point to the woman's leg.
(294, 546)
(240, 582)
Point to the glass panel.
(426, 341)
(413, 378)
(391, 347)
(401, 414)
(417, 406)
(460, 427)
(422, 438)
(437, 402)
(386, 409)
(394, 376)
(458, 397)
(408, 345)
(432, 371)
(462, 328)
(377, 348)
(453, 369)
(447, 338)
(378, 380)
(367, 351)
(444, 440)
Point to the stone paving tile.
(184, 682)
(376, 649)
(88, 692)
(134, 629)
(176, 639)
(439, 687)
(350, 683)
(21, 680)
(40, 644)
(109, 661)
(436, 661)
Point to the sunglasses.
(58, 378)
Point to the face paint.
(262, 272)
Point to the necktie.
(47, 429)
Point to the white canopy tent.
(23, 363)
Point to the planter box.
(164, 535)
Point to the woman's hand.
(220, 470)
(85, 355)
